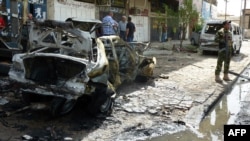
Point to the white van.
(208, 34)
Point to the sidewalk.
(156, 44)
(184, 87)
(183, 91)
(197, 80)
(169, 46)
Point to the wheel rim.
(106, 105)
(68, 106)
(61, 106)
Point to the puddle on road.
(225, 112)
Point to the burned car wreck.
(65, 63)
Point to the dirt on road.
(141, 110)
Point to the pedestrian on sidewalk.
(164, 33)
(25, 32)
(224, 38)
(130, 29)
(174, 32)
(122, 27)
(159, 31)
(180, 32)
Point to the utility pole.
(226, 9)
(240, 13)
(25, 11)
(243, 20)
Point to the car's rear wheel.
(101, 102)
(106, 107)
(192, 42)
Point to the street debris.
(27, 138)
(164, 76)
(3, 101)
(6, 114)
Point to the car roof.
(218, 22)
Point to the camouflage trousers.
(223, 58)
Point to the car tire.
(101, 102)
(4, 68)
(192, 42)
(107, 106)
(61, 106)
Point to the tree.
(187, 15)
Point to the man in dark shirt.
(130, 29)
(25, 32)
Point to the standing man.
(109, 25)
(224, 38)
(174, 32)
(159, 31)
(164, 33)
(130, 29)
(122, 27)
(25, 32)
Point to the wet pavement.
(181, 93)
(232, 108)
(185, 94)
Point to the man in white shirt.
(122, 27)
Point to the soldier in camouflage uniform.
(224, 38)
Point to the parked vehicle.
(65, 63)
(208, 34)
(195, 38)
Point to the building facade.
(146, 14)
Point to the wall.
(141, 20)
(63, 9)
(142, 28)
(209, 11)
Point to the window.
(89, 1)
(158, 6)
(114, 3)
(213, 28)
(118, 3)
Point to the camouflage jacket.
(222, 36)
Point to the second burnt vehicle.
(65, 63)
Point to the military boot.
(218, 79)
(226, 78)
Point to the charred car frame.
(64, 63)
